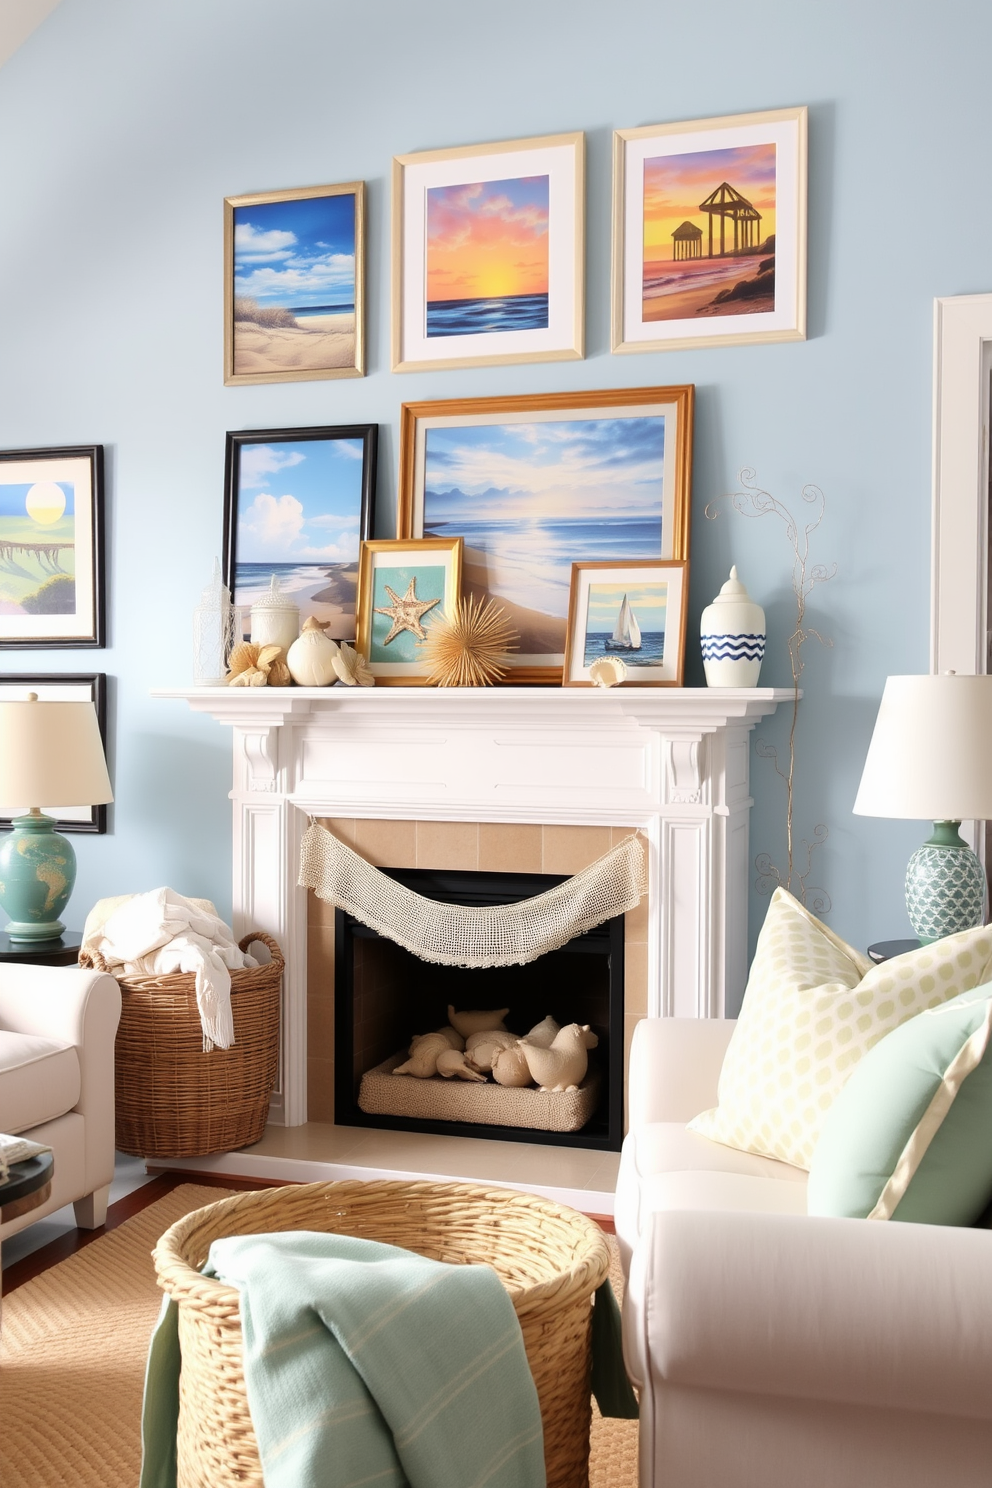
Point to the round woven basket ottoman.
(550, 1259)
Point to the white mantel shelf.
(673, 762)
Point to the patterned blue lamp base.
(945, 885)
(37, 874)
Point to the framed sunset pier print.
(488, 254)
(298, 505)
(294, 284)
(535, 483)
(51, 548)
(709, 232)
(631, 612)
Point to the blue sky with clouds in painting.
(560, 469)
(296, 253)
(300, 501)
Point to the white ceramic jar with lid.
(732, 632)
(275, 619)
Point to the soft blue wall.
(123, 126)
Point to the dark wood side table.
(61, 952)
(884, 950)
(28, 1187)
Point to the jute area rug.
(72, 1358)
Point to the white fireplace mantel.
(673, 762)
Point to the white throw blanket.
(160, 932)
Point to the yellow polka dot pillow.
(813, 1007)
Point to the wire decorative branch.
(752, 501)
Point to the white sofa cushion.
(39, 1080)
(664, 1165)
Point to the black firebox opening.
(384, 996)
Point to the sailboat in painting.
(626, 633)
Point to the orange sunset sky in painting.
(487, 239)
(674, 185)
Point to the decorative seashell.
(424, 1053)
(476, 1022)
(250, 665)
(453, 1036)
(608, 671)
(311, 657)
(543, 1034)
(452, 1062)
(481, 1047)
(510, 1066)
(352, 668)
(563, 1066)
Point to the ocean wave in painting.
(524, 312)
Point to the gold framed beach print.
(402, 587)
(294, 284)
(631, 613)
(536, 482)
(488, 254)
(709, 232)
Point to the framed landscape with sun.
(488, 254)
(299, 503)
(402, 588)
(709, 232)
(294, 284)
(51, 547)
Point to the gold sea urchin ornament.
(468, 648)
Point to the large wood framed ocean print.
(294, 284)
(488, 254)
(51, 548)
(709, 232)
(299, 503)
(536, 483)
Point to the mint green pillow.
(910, 1135)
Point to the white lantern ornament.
(732, 632)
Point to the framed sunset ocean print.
(709, 232)
(294, 284)
(535, 483)
(488, 254)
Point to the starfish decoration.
(406, 613)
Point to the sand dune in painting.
(323, 343)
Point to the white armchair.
(774, 1349)
(57, 1029)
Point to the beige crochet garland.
(465, 935)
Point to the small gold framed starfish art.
(403, 586)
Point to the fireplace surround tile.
(570, 849)
(446, 844)
(509, 847)
(392, 843)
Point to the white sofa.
(776, 1350)
(57, 1029)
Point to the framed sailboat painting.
(628, 613)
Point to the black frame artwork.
(92, 684)
(87, 627)
(332, 592)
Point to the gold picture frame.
(308, 235)
(494, 483)
(390, 570)
(710, 281)
(615, 610)
(488, 254)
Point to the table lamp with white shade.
(49, 751)
(930, 758)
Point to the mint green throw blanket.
(364, 1364)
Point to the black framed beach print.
(709, 232)
(488, 254)
(51, 548)
(294, 284)
(298, 505)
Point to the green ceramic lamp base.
(37, 874)
(945, 885)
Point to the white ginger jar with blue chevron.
(732, 631)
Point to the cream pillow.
(813, 1007)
